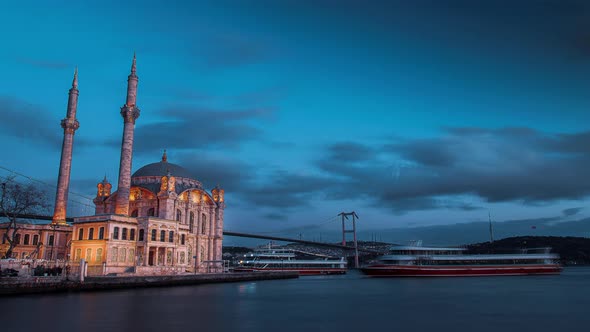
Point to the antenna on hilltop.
(491, 228)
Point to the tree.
(16, 200)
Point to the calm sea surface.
(339, 303)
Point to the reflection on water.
(330, 303)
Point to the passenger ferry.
(281, 259)
(418, 261)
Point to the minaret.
(130, 113)
(69, 124)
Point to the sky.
(411, 113)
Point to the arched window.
(101, 233)
(124, 234)
(88, 254)
(182, 255)
(131, 256)
(154, 234)
(203, 223)
(35, 239)
(116, 233)
(151, 212)
(99, 255)
(178, 214)
(132, 234)
(27, 239)
(134, 213)
(162, 236)
(171, 236)
(81, 234)
(191, 222)
(78, 254)
(17, 239)
(140, 235)
(90, 233)
(122, 255)
(114, 254)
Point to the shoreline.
(38, 285)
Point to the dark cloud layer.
(186, 128)
(496, 165)
(30, 123)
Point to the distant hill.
(457, 234)
(572, 250)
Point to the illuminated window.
(91, 234)
(101, 233)
(81, 234)
(116, 233)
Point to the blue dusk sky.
(411, 113)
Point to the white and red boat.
(418, 261)
(282, 259)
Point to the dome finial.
(164, 157)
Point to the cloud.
(234, 50)
(46, 64)
(29, 122)
(572, 211)
(193, 128)
(496, 165)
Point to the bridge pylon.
(354, 216)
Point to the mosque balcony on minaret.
(70, 125)
(130, 113)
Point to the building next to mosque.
(160, 219)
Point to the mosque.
(160, 220)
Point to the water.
(328, 303)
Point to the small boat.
(417, 261)
(282, 259)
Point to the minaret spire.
(75, 81)
(70, 125)
(130, 113)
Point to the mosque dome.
(149, 176)
(161, 169)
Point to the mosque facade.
(160, 220)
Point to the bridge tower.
(354, 216)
